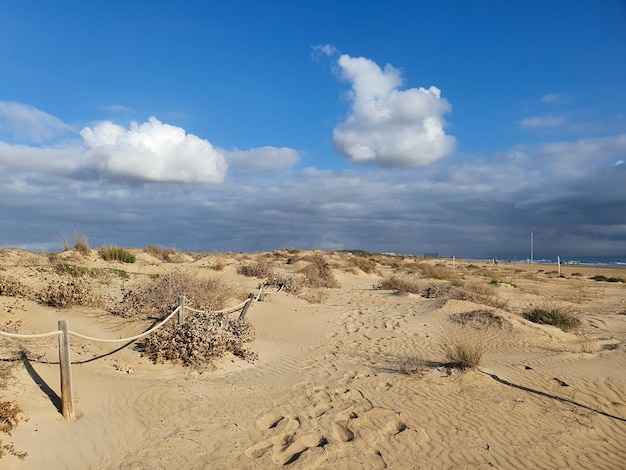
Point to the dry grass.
(463, 348)
(259, 269)
(318, 273)
(427, 289)
(479, 293)
(157, 298)
(367, 265)
(79, 242)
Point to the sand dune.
(358, 381)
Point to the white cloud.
(28, 123)
(153, 151)
(539, 122)
(388, 126)
(551, 97)
(117, 108)
(262, 159)
(325, 49)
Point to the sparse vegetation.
(260, 269)
(318, 273)
(601, 277)
(500, 281)
(463, 349)
(11, 287)
(79, 242)
(158, 297)
(115, 253)
(552, 315)
(479, 319)
(479, 293)
(65, 293)
(367, 265)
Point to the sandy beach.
(354, 376)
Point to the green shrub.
(115, 253)
(554, 316)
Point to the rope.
(42, 335)
(235, 308)
(132, 338)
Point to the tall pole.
(531, 248)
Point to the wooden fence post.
(67, 394)
(242, 315)
(261, 292)
(181, 312)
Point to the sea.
(616, 262)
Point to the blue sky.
(411, 127)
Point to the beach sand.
(358, 381)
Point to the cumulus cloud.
(30, 124)
(262, 159)
(538, 122)
(153, 151)
(388, 126)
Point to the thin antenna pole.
(532, 254)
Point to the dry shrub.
(290, 284)
(433, 272)
(9, 416)
(463, 348)
(64, 293)
(201, 340)
(11, 287)
(261, 268)
(479, 319)
(158, 297)
(155, 251)
(401, 284)
(479, 293)
(314, 296)
(318, 273)
(367, 265)
(429, 290)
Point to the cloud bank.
(388, 126)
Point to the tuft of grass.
(367, 265)
(74, 271)
(427, 289)
(115, 253)
(79, 242)
(479, 293)
(463, 350)
(551, 315)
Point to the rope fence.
(63, 333)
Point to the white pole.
(454, 261)
(531, 248)
(558, 261)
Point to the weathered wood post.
(261, 292)
(181, 312)
(67, 394)
(242, 315)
